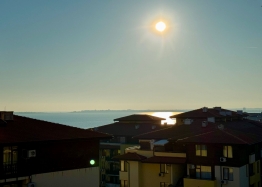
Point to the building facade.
(122, 130)
(209, 147)
(40, 153)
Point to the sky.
(68, 55)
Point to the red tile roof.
(198, 113)
(165, 160)
(139, 117)
(129, 129)
(176, 131)
(23, 129)
(129, 156)
(235, 132)
(225, 136)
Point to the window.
(228, 151)
(201, 150)
(124, 183)
(10, 159)
(203, 172)
(251, 169)
(228, 174)
(123, 166)
(162, 168)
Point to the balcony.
(123, 175)
(168, 154)
(189, 182)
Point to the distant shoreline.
(249, 110)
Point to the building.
(255, 116)
(40, 153)
(209, 147)
(123, 130)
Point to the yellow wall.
(199, 183)
(150, 175)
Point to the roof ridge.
(196, 135)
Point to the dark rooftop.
(139, 117)
(23, 129)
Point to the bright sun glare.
(160, 26)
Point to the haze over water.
(90, 119)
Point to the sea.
(94, 118)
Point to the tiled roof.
(129, 156)
(129, 129)
(165, 160)
(225, 136)
(176, 131)
(235, 132)
(23, 129)
(139, 117)
(198, 113)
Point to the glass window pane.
(7, 159)
(198, 151)
(204, 150)
(225, 173)
(198, 173)
(231, 174)
(206, 172)
(230, 152)
(225, 151)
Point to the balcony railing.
(189, 182)
(9, 168)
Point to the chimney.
(6, 115)
(204, 109)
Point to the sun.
(160, 26)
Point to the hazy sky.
(75, 55)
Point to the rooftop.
(24, 129)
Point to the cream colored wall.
(239, 176)
(134, 173)
(69, 178)
(150, 175)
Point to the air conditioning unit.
(31, 184)
(161, 174)
(224, 182)
(223, 159)
(31, 153)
